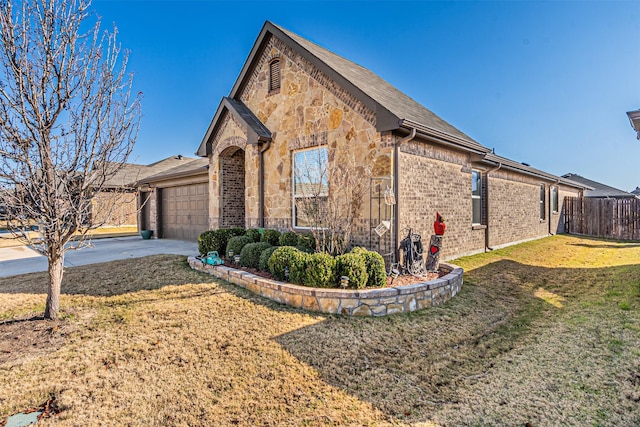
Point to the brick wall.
(232, 194)
(115, 208)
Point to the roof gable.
(597, 189)
(391, 106)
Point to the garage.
(174, 204)
(185, 211)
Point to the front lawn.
(546, 333)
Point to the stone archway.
(232, 187)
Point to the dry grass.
(544, 333)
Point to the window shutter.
(274, 75)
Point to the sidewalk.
(21, 259)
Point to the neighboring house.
(636, 192)
(294, 99)
(598, 190)
(175, 203)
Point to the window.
(554, 199)
(476, 196)
(310, 187)
(274, 75)
(542, 203)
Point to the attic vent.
(274, 75)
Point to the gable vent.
(274, 75)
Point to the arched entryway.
(232, 188)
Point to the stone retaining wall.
(363, 302)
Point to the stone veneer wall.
(364, 302)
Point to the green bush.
(354, 267)
(254, 234)
(375, 267)
(287, 257)
(288, 238)
(320, 271)
(270, 236)
(215, 240)
(307, 240)
(250, 254)
(236, 243)
(263, 264)
(236, 231)
(305, 249)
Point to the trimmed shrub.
(286, 257)
(236, 243)
(305, 249)
(236, 231)
(375, 267)
(214, 240)
(254, 234)
(320, 271)
(307, 240)
(354, 267)
(270, 236)
(263, 264)
(288, 238)
(250, 254)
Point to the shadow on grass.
(409, 365)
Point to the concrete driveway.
(22, 259)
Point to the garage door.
(185, 211)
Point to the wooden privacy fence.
(606, 218)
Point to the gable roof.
(393, 108)
(598, 189)
(636, 191)
(188, 167)
(254, 127)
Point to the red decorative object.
(433, 249)
(439, 226)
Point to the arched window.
(274, 75)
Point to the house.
(636, 192)
(594, 189)
(295, 100)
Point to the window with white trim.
(310, 187)
(554, 199)
(542, 203)
(476, 196)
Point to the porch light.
(634, 119)
(236, 258)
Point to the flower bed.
(352, 302)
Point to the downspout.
(396, 189)
(550, 208)
(486, 230)
(261, 183)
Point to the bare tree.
(330, 189)
(68, 122)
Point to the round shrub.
(288, 238)
(254, 234)
(215, 240)
(320, 271)
(250, 254)
(270, 236)
(236, 231)
(305, 249)
(263, 264)
(307, 240)
(285, 257)
(353, 266)
(375, 267)
(236, 243)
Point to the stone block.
(310, 303)
(395, 308)
(329, 305)
(294, 300)
(362, 311)
(410, 304)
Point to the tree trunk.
(53, 294)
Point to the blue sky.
(546, 83)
